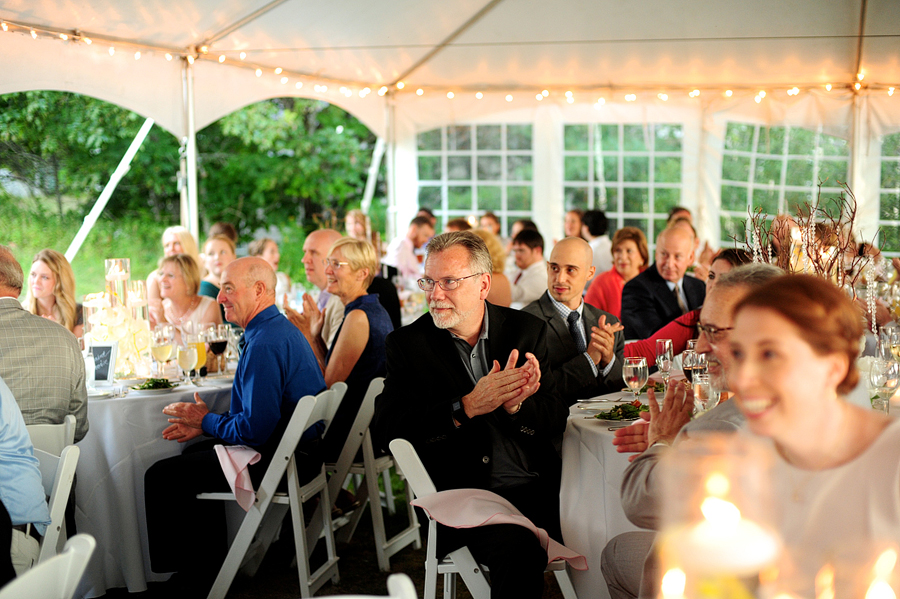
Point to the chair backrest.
(355, 436)
(57, 475)
(330, 404)
(56, 578)
(412, 467)
(53, 437)
(300, 420)
(400, 586)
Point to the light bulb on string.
(570, 99)
(662, 97)
(137, 55)
(509, 98)
(87, 40)
(284, 80)
(4, 26)
(420, 91)
(221, 58)
(539, 97)
(190, 59)
(63, 36)
(112, 50)
(168, 56)
(33, 34)
(630, 97)
(278, 71)
(259, 72)
(890, 91)
(545, 93)
(828, 87)
(757, 99)
(728, 93)
(857, 86)
(450, 95)
(762, 94)
(478, 95)
(382, 90)
(568, 94)
(400, 85)
(243, 55)
(204, 49)
(298, 85)
(860, 76)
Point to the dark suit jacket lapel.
(559, 326)
(442, 344)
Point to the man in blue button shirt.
(276, 369)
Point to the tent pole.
(391, 217)
(124, 166)
(192, 223)
(372, 179)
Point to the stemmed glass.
(664, 358)
(688, 361)
(187, 360)
(218, 343)
(162, 345)
(884, 377)
(634, 373)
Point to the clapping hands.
(508, 387)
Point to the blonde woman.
(179, 282)
(501, 291)
(175, 240)
(51, 291)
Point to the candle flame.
(825, 582)
(717, 484)
(720, 512)
(673, 583)
(885, 563)
(880, 590)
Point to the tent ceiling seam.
(244, 21)
(446, 41)
(859, 43)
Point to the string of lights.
(324, 85)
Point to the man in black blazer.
(586, 353)
(649, 300)
(473, 424)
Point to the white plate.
(151, 391)
(130, 382)
(98, 394)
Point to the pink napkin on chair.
(234, 460)
(468, 508)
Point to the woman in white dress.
(175, 240)
(179, 281)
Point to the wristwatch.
(660, 443)
(459, 412)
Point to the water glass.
(634, 373)
(884, 378)
(705, 397)
(187, 360)
(89, 369)
(664, 358)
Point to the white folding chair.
(400, 586)
(371, 468)
(460, 561)
(57, 474)
(267, 522)
(53, 437)
(56, 578)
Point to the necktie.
(681, 305)
(577, 331)
(518, 276)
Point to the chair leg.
(389, 492)
(450, 585)
(472, 573)
(378, 520)
(268, 532)
(236, 553)
(565, 583)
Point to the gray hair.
(479, 256)
(11, 274)
(749, 275)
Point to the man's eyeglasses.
(715, 335)
(446, 284)
(334, 264)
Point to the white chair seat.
(55, 578)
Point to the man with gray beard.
(475, 424)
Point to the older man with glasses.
(623, 561)
(475, 424)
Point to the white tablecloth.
(590, 507)
(124, 440)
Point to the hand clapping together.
(508, 387)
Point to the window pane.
(890, 174)
(459, 168)
(634, 138)
(576, 168)
(802, 142)
(834, 146)
(768, 172)
(797, 201)
(429, 140)
(636, 168)
(489, 137)
(459, 198)
(734, 198)
(890, 206)
(891, 236)
(667, 170)
(608, 136)
(430, 197)
(767, 199)
(890, 145)
(518, 198)
(490, 168)
(736, 168)
(607, 170)
(799, 172)
(429, 168)
(489, 198)
(575, 138)
(771, 140)
(832, 171)
(732, 228)
(576, 198)
(666, 198)
(518, 168)
(637, 199)
(640, 223)
(459, 138)
(668, 138)
(739, 137)
(518, 137)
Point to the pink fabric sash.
(234, 460)
(468, 508)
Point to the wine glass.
(187, 360)
(218, 343)
(700, 365)
(705, 397)
(197, 342)
(161, 345)
(664, 358)
(895, 344)
(634, 373)
(884, 377)
(688, 361)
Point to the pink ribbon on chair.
(234, 460)
(468, 508)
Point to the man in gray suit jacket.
(39, 359)
(585, 342)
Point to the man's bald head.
(315, 249)
(11, 276)
(568, 270)
(674, 252)
(247, 288)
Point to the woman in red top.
(630, 257)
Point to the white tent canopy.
(508, 50)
